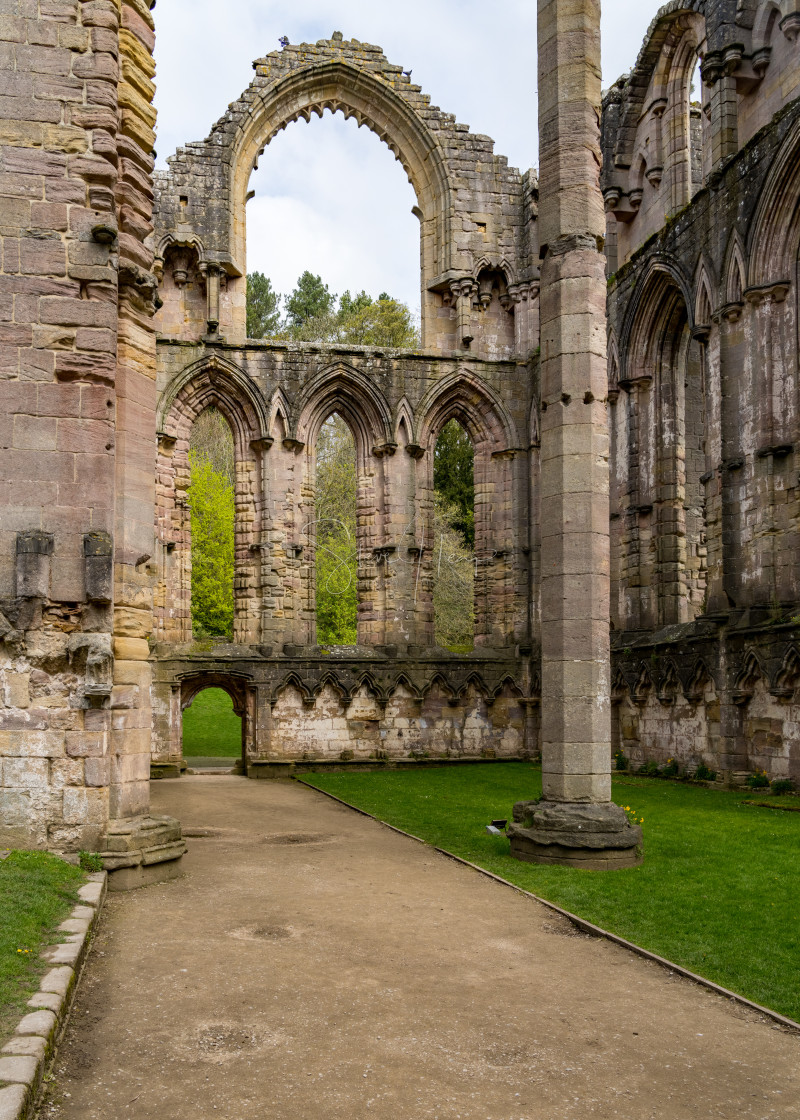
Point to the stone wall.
(703, 372)
(77, 396)
(702, 192)
(479, 255)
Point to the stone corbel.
(768, 293)
(732, 62)
(382, 553)
(622, 205)
(386, 448)
(701, 332)
(790, 26)
(415, 450)
(262, 444)
(166, 442)
(730, 312)
(291, 444)
(485, 293)
(463, 293)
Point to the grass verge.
(718, 893)
(211, 729)
(37, 892)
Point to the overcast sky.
(329, 196)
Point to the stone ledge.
(287, 768)
(32, 1047)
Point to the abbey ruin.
(123, 317)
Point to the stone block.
(41, 1023)
(12, 1101)
(20, 1069)
(59, 980)
(31, 1045)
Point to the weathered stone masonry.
(77, 393)
(397, 694)
(703, 205)
(118, 326)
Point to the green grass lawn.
(37, 892)
(210, 727)
(719, 890)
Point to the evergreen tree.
(263, 306)
(309, 300)
(454, 478)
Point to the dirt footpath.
(313, 965)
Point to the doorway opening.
(212, 730)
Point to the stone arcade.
(122, 300)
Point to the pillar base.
(594, 837)
(142, 850)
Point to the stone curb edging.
(580, 923)
(24, 1058)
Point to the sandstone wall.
(479, 254)
(703, 371)
(77, 398)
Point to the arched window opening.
(319, 208)
(695, 493)
(454, 539)
(213, 513)
(212, 730)
(336, 557)
(697, 128)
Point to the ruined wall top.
(668, 129)
(473, 209)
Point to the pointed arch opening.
(665, 374)
(335, 533)
(213, 525)
(212, 425)
(454, 539)
(324, 186)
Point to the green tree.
(381, 322)
(336, 544)
(309, 300)
(454, 478)
(211, 499)
(263, 306)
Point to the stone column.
(576, 822)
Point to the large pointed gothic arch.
(462, 188)
(211, 382)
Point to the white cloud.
(329, 197)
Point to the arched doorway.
(215, 722)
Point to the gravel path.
(313, 965)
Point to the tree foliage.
(310, 299)
(454, 478)
(336, 544)
(263, 306)
(315, 314)
(453, 581)
(211, 500)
